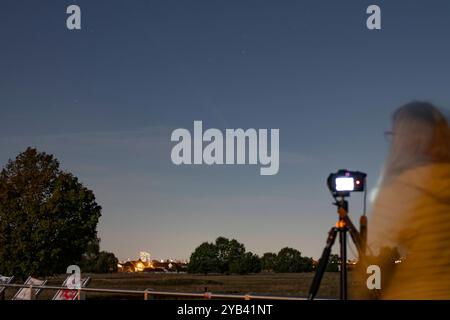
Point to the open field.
(289, 284)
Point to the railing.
(149, 293)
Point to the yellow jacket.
(412, 213)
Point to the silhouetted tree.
(268, 261)
(47, 217)
(229, 256)
(227, 252)
(96, 261)
(247, 263)
(106, 263)
(291, 260)
(204, 259)
(223, 256)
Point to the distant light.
(140, 267)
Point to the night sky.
(105, 99)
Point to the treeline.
(229, 256)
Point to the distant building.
(144, 264)
(144, 256)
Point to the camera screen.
(345, 184)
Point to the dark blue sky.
(105, 99)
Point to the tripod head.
(344, 221)
(341, 204)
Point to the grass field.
(289, 284)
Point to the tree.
(247, 263)
(307, 264)
(47, 217)
(106, 263)
(288, 260)
(96, 261)
(227, 252)
(268, 261)
(223, 256)
(204, 259)
(291, 260)
(90, 256)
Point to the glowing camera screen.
(345, 184)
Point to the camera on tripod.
(341, 184)
(344, 181)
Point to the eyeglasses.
(388, 135)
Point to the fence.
(150, 293)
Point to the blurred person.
(411, 208)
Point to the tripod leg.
(323, 262)
(343, 245)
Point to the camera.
(344, 181)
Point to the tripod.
(343, 225)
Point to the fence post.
(145, 294)
(31, 292)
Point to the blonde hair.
(421, 135)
